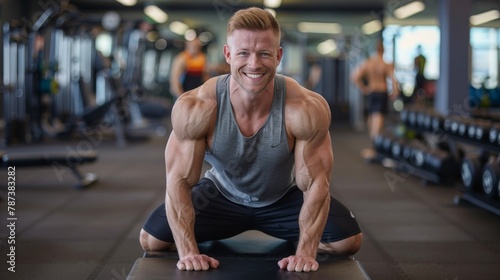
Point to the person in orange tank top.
(189, 69)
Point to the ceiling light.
(272, 3)
(156, 13)
(371, 27)
(190, 35)
(205, 37)
(127, 2)
(272, 11)
(484, 17)
(178, 27)
(327, 47)
(409, 9)
(319, 27)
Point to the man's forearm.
(312, 220)
(181, 218)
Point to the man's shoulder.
(193, 115)
(304, 106)
(197, 100)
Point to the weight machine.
(24, 87)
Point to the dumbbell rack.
(412, 159)
(476, 198)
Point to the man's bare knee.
(151, 243)
(348, 246)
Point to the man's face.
(254, 57)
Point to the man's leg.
(376, 125)
(342, 235)
(216, 218)
(151, 243)
(344, 247)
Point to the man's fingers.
(197, 263)
(213, 263)
(283, 263)
(299, 264)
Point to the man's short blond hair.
(253, 19)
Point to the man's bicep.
(183, 160)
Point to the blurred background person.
(189, 68)
(371, 78)
(419, 89)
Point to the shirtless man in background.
(371, 78)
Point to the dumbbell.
(382, 144)
(474, 125)
(428, 120)
(397, 148)
(494, 133)
(412, 118)
(437, 123)
(404, 115)
(471, 169)
(463, 126)
(417, 154)
(442, 163)
(479, 131)
(451, 124)
(420, 118)
(491, 179)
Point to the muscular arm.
(313, 164)
(184, 158)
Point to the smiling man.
(268, 142)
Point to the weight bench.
(244, 258)
(57, 160)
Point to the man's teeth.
(254, 76)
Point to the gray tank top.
(254, 171)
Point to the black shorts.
(378, 102)
(219, 218)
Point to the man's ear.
(227, 54)
(280, 55)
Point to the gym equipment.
(431, 164)
(403, 116)
(482, 131)
(92, 117)
(463, 126)
(479, 130)
(442, 163)
(417, 154)
(56, 160)
(397, 148)
(471, 171)
(493, 134)
(240, 268)
(424, 119)
(245, 258)
(437, 123)
(491, 179)
(456, 125)
(383, 144)
(14, 81)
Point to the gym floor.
(411, 231)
